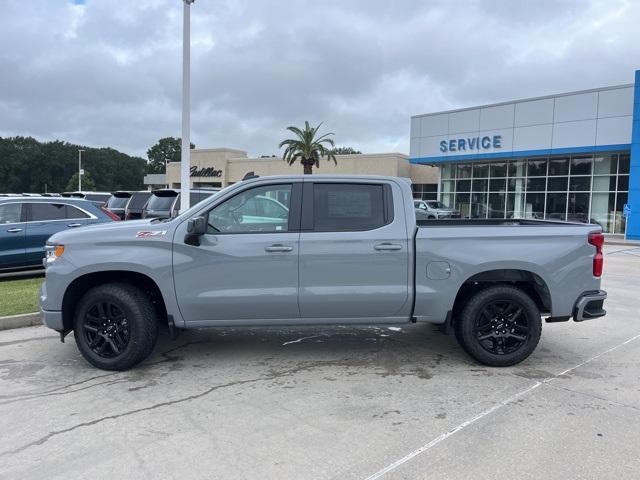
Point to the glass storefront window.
(557, 184)
(463, 170)
(498, 169)
(558, 166)
(496, 205)
(447, 199)
(516, 184)
(447, 186)
(556, 206)
(463, 185)
(603, 210)
(478, 205)
(580, 184)
(479, 185)
(534, 205)
(577, 188)
(605, 164)
(578, 208)
(497, 184)
(623, 183)
(536, 184)
(448, 170)
(537, 167)
(604, 184)
(516, 168)
(515, 205)
(623, 163)
(581, 165)
(462, 204)
(480, 170)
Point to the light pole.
(80, 169)
(185, 160)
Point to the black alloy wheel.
(501, 327)
(106, 329)
(115, 326)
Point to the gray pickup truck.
(321, 250)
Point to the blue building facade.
(572, 156)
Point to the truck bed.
(492, 222)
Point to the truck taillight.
(597, 240)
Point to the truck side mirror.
(196, 227)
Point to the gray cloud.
(108, 72)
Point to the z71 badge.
(151, 233)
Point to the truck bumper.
(52, 319)
(589, 306)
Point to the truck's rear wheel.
(115, 326)
(499, 326)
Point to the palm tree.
(307, 148)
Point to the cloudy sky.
(108, 72)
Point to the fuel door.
(438, 270)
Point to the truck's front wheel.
(499, 326)
(115, 326)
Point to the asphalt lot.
(343, 403)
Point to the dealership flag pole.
(80, 172)
(185, 163)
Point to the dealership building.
(219, 167)
(570, 156)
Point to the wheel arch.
(530, 282)
(82, 284)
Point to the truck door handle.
(74, 225)
(14, 230)
(387, 247)
(278, 247)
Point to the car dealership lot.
(332, 403)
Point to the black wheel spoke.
(106, 329)
(501, 328)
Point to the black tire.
(115, 326)
(499, 326)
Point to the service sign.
(470, 144)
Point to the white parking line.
(489, 411)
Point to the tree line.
(27, 165)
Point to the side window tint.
(47, 211)
(243, 213)
(344, 207)
(73, 212)
(10, 212)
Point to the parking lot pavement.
(344, 403)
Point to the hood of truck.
(131, 229)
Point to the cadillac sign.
(205, 172)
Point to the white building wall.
(581, 119)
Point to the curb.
(18, 321)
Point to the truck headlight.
(52, 252)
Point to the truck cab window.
(256, 210)
(340, 207)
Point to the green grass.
(19, 296)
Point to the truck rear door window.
(345, 207)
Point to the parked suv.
(165, 203)
(136, 205)
(27, 222)
(432, 209)
(97, 198)
(118, 202)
